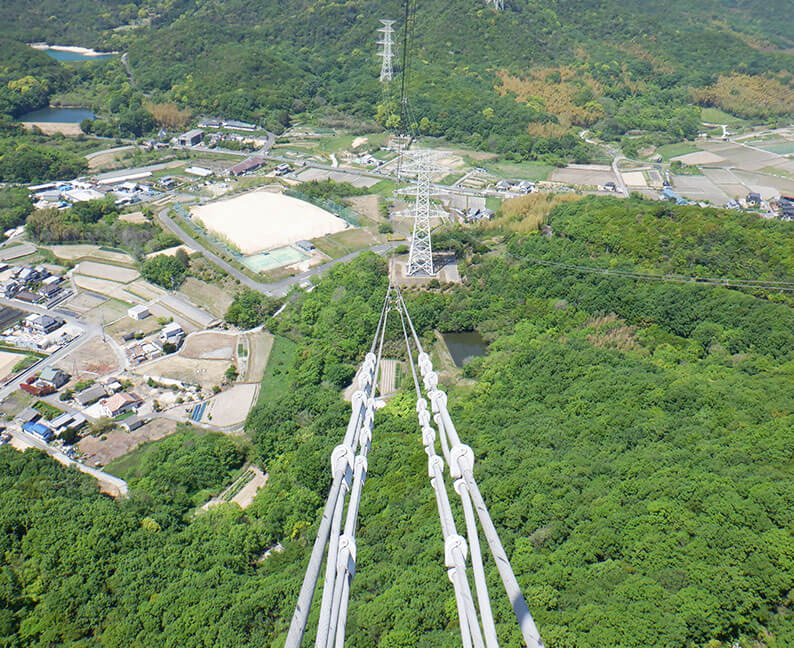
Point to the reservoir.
(58, 115)
(74, 54)
(464, 346)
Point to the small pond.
(58, 115)
(70, 55)
(464, 346)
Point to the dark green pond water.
(464, 346)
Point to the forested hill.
(633, 442)
(520, 81)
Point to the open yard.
(7, 362)
(206, 373)
(95, 358)
(229, 408)
(262, 220)
(209, 346)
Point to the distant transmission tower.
(497, 4)
(387, 53)
(420, 260)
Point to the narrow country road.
(277, 289)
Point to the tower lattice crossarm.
(387, 50)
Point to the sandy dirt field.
(170, 251)
(359, 141)
(50, 128)
(213, 298)
(209, 346)
(700, 188)
(366, 206)
(261, 220)
(137, 218)
(73, 252)
(198, 372)
(259, 346)
(7, 362)
(337, 176)
(95, 358)
(635, 179)
(591, 175)
(699, 157)
(119, 442)
(106, 271)
(84, 302)
(231, 407)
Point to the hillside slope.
(615, 67)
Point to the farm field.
(261, 220)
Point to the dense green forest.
(633, 443)
(520, 82)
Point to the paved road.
(112, 485)
(279, 288)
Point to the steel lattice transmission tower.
(420, 260)
(497, 4)
(387, 53)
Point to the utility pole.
(387, 53)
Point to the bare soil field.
(119, 442)
(209, 346)
(128, 325)
(7, 362)
(95, 358)
(136, 218)
(587, 175)
(75, 252)
(231, 407)
(17, 251)
(366, 206)
(198, 372)
(84, 302)
(262, 220)
(105, 287)
(635, 179)
(259, 346)
(170, 251)
(51, 128)
(698, 158)
(209, 296)
(700, 188)
(106, 271)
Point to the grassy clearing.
(717, 116)
(274, 385)
(674, 150)
(342, 243)
(533, 171)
